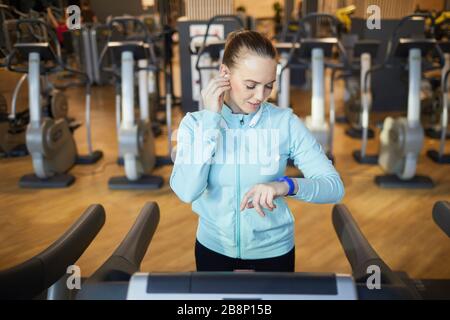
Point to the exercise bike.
(12, 132)
(13, 124)
(401, 139)
(439, 156)
(305, 51)
(209, 51)
(48, 140)
(359, 108)
(136, 141)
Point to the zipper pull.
(242, 121)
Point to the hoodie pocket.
(216, 210)
(275, 227)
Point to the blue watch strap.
(290, 183)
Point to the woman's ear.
(224, 70)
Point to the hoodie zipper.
(238, 191)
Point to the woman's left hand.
(262, 195)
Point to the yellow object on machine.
(442, 17)
(343, 15)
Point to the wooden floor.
(397, 223)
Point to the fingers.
(217, 83)
(212, 85)
(219, 90)
(256, 204)
(247, 204)
(250, 205)
(215, 88)
(270, 200)
(244, 201)
(219, 80)
(257, 198)
(263, 201)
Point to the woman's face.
(252, 79)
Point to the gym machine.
(36, 277)
(439, 156)
(191, 38)
(44, 276)
(12, 133)
(441, 216)
(304, 51)
(13, 124)
(136, 141)
(119, 277)
(49, 141)
(114, 282)
(401, 139)
(210, 52)
(366, 50)
(432, 111)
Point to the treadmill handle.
(37, 274)
(441, 216)
(360, 253)
(127, 257)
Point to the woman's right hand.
(214, 93)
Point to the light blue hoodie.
(220, 156)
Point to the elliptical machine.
(54, 104)
(136, 141)
(49, 141)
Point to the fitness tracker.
(290, 183)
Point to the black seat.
(366, 46)
(405, 44)
(138, 48)
(43, 48)
(285, 46)
(308, 44)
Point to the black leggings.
(208, 260)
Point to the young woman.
(230, 162)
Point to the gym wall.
(105, 8)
